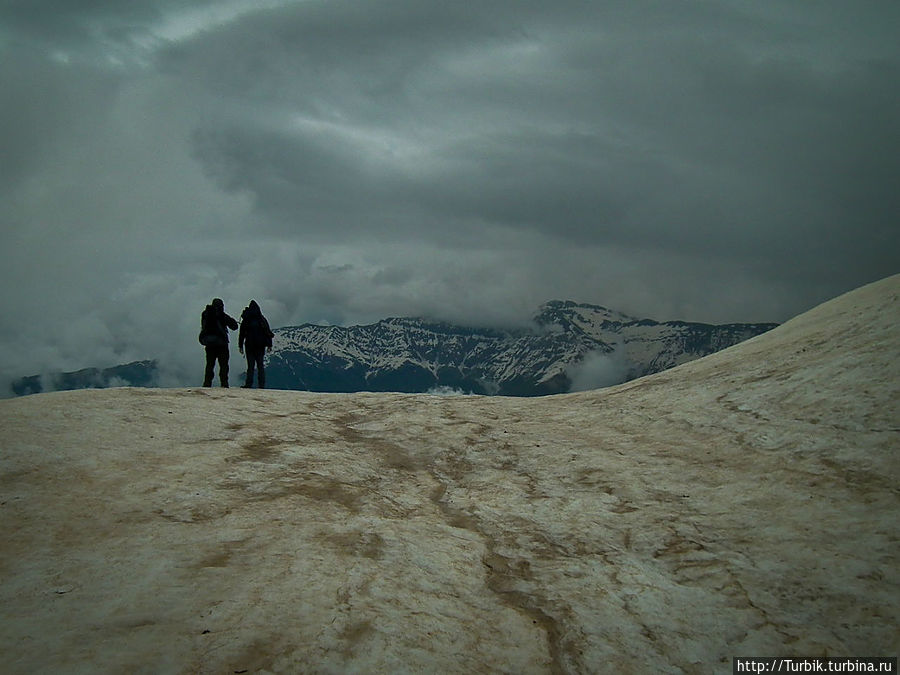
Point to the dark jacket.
(255, 332)
(214, 325)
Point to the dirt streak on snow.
(745, 503)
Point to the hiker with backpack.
(254, 337)
(214, 325)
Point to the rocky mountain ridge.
(134, 374)
(567, 339)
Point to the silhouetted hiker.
(255, 337)
(214, 325)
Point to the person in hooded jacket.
(214, 325)
(254, 338)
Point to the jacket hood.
(251, 309)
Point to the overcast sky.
(343, 161)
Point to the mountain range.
(584, 345)
(135, 374)
(570, 346)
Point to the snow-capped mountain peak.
(414, 355)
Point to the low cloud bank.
(599, 369)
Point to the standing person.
(255, 337)
(214, 325)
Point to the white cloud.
(187, 22)
(597, 370)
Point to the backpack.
(253, 328)
(256, 331)
(211, 335)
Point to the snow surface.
(744, 503)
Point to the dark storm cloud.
(42, 103)
(61, 23)
(344, 161)
(672, 148)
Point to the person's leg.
(261, 368)
(251, 362)
(210, 364)
(223, 365)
